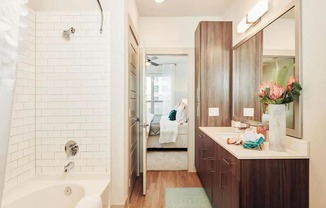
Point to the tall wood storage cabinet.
(213, 89)
(213, 78)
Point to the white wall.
(313, 79)
(239, 9)
(119, 102)
(170, 32)
(72, 82)
(21, 152)
(62, 93)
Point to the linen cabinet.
(213, 65)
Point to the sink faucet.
(69, 166)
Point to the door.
(145, 126)
(133, 138)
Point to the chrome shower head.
(66, 33)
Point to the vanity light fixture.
(253, 16)
(243, 25)
(158, 1)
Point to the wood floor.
(157, 181)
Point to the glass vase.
(277, 127)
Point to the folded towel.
(257, 144)
(90, 202)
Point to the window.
(154, 94)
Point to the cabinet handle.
(200, 136)
(221, 180)
(227, 162)
(210, 166)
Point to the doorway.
(189, 54)
(166, 111)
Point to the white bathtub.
(54, 192)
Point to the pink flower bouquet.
(281, 90)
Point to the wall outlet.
(213, 111)
(248, 112)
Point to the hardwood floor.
(157, 181)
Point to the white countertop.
(296, 148)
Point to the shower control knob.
(71, 148)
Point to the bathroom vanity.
(235, 177)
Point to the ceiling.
(178, 8)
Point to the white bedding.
(168, 130)
(180, 136)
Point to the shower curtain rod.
(99, 3)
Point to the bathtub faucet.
(69, 166)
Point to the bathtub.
(56, 192)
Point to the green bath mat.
(186, 198)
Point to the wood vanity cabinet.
(251, 183)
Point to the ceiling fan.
(149, 61)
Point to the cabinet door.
(210, 167)
(230, 180)
(217, 178)
(199, 153)
(226, 180)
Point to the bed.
(163, 133)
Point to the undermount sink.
(227, 135)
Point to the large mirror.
(279, 46)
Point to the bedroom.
(166, 107)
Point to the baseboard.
(126, 205)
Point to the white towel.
(168, 130)
(90, 202)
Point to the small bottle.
(261, 129)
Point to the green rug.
(186, 198)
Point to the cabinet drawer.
(231, 163)
(207, 145)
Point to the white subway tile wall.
(62, 93)
(21, 152)
(72, 92)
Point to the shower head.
(66, 33)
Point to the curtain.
(168, 82)
(10, 25)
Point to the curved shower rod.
(99, 3)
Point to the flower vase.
(277, 127)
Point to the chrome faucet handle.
(71, 148)
(69, 166)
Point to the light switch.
(213, 111)
(248, 112)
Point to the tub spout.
(69, 166)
